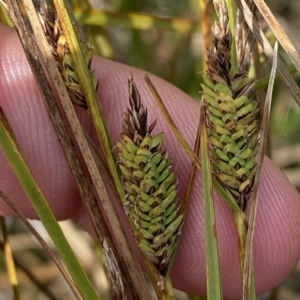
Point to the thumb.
(276, 241)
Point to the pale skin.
(276, 241)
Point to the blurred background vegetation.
(162, 37)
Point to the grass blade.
(41, 62)
(268, 50)
(213, 279)
(279, 33)
(248, 278)
(88, 90)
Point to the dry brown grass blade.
(279, 33)
(40, 59)
(244, 39)
(268, 50)
(61, 268)
(248, 268)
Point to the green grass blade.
(213, 280)
(23, 173)
(86, 84)
(248, 278)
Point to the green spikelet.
(232, 118)
(151, 201)
(61, 53)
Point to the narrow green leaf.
(248, 278)
(213, 279)
(88, 90)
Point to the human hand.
(276, 240)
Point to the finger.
(276, 245)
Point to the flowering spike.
(149, 183)
(232, 118)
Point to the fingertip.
(28, 117)
(276, 241)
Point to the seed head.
(232, 119)
(151, 201)
(61, 53)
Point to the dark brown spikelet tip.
(232, 119)
(135, 120)
(151, 201)
(61, 53)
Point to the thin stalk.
(213, 277)
(248, 278)
(263, 82)
(86, 84)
